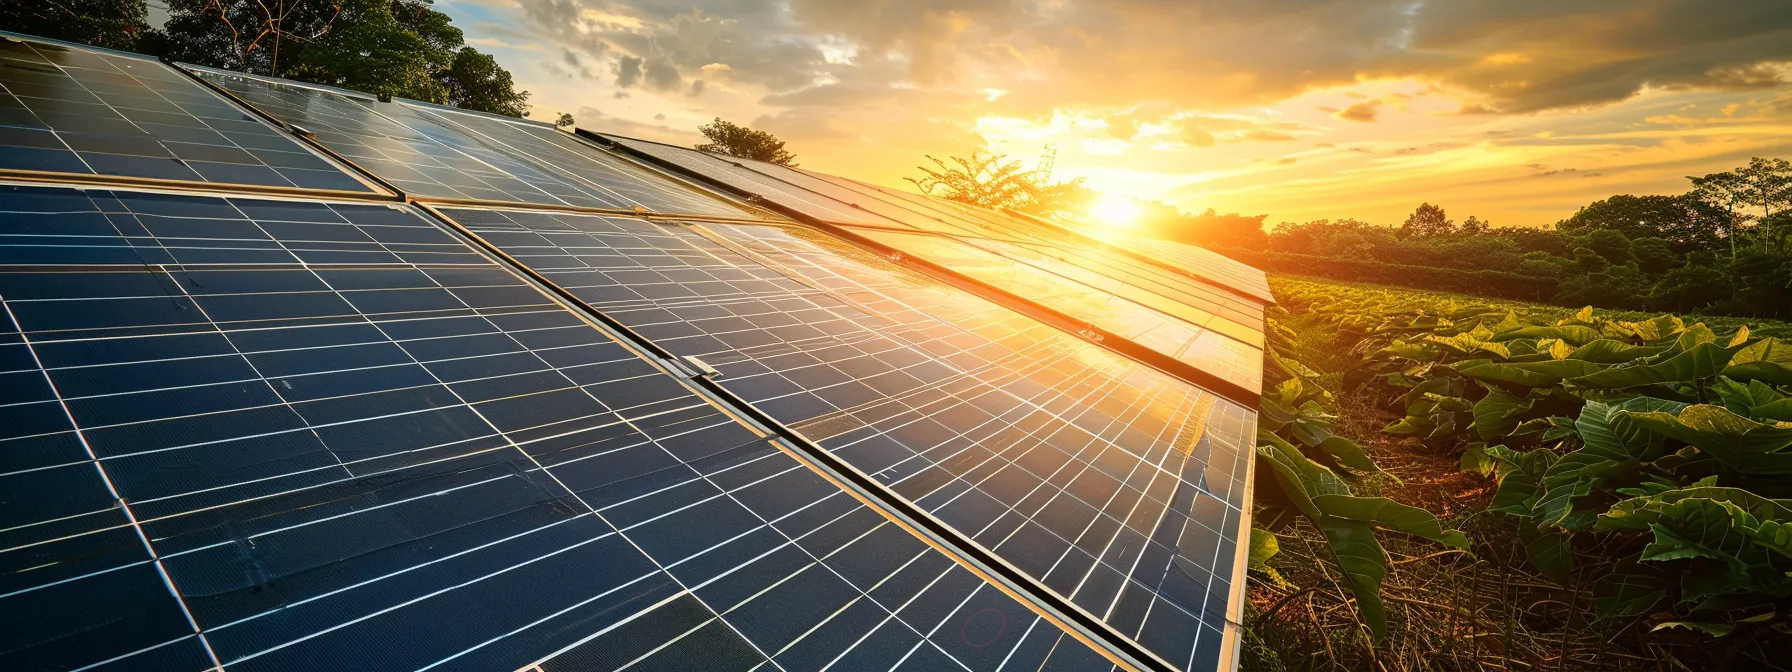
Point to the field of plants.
(1451, 483)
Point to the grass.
(1481, 610)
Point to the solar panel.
(737, 175)
(1048, 248)
(68, 109)
(578, 404)
(265, 434)
(1223, 297)
(1217, 334)
(543, 143)
(1199, 261)
(1117, 487)
(1233, 356)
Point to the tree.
(1229, 230)
(114, 24)
(730, 139)
(373, 53)
(1610, 245)
(1692, 287)
(1684, 221)
(565, 121)
(1769, 184)
(987, 180)
(1726, 192)
(1428, 221)
(1653, 255)
(388, 47)
(475, 82)
(1475, 227)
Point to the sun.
(1115, 211)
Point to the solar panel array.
(558, 405)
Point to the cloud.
(1267, 136)
(1360, 112)
(628, 71)
(1196, 137)
(1517, 55)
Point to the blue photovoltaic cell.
(1118, 487)
(73, 110)
(569, 154)
(433, 153)
(293, 435)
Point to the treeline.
(1722, 248)
(385, 47)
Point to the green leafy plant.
(1665, 442)
(1306, 470)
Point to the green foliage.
(1307, 469)
(386, 47)
(991, 181)
(1724, 248)
(114, 24)
(731, 139)
(476, 82)
(1668, 440)
(1427, 221)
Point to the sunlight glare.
(1115, 211)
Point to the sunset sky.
(1518, 111)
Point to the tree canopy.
(113, 24)
(731, 139)
(385, 47)
(1428, 221)
(991, 181)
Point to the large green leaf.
(1389, 514)
(1608, 351)
(1498, 413)
(1520, 478)
(1550, 551)
(1653, 331)
(1631, 589)
(1469, 345)
(1639, 513)
(1702, 361)
(1347, 453)
(1756, 400)
(1301, 479)
(1739, 443)
(1263, 547)
(1528, 374)
(1364, 564)
(1573, 334)
(1415, 351)
(1612, 448)
(1768, 359)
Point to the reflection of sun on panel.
(1115, 211)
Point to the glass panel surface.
(1212, 330)
(733, 173)
(596, 170)
(72, 110)
(1116, 486)
(428, 160)
(282, 435)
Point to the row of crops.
(1651, 457)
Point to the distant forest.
(385, 47)
(1722, 248)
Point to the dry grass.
(1447, 610)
